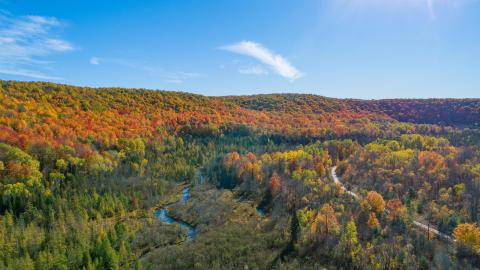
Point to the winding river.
(163, 216)
(162, 213)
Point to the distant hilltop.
(66, 114)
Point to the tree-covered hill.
(62, 113)
(461, 112)
(84, 170)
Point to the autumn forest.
(115, 178)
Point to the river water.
(260, 211)
(162, 215)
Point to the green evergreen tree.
(109, 255)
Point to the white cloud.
(254, 70)
(43, 20)
(175, 77)
(178, 77)
(136, 65)
(431, 7)
(25, 42)
(431, 11)
(275, 61)
(58, 45)
(173, 81)
(28, 73)
(94, 61)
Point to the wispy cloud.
(142, 66)
(276, 62)
(58, 45)
(179, 76)
(25, 42)
(27, 73)
(431, 7)
(254, 70)
(94, 61)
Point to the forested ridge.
(83, 171)
(420, 111)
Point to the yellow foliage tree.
(468, 235)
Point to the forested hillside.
(457, 112)
(84, 172)
(460, 112)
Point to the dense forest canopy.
(281, 181)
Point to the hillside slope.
(461, 112)
(85, 173)
(62, 114)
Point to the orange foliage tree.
(375, 200)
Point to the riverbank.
(225, 228)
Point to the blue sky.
(337, 48)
